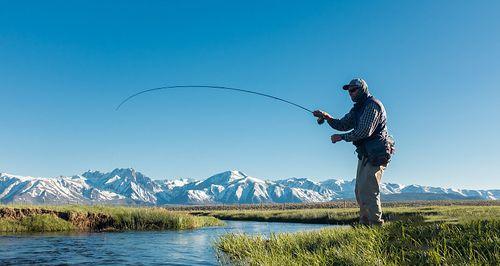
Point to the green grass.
(397, 243)
(96, 218)
(350, 215)
(448, 235)
(319, 216)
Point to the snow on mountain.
(245, 190)
(306, 190)
(342, 188)
(127, 186)
(300, 183)
(127, 182)
(171, 184)
(222, 179)
(227, 187)
(391, 188)
(293, 194)
(51, 190)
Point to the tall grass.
(36, 223)
(96, 218)
(443, 235)
(398, 243)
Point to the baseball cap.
(357, 82)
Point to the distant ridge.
(127, 186)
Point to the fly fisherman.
(374, 146)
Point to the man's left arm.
(366, 126)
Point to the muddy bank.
(96, 218)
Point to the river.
(188, 247)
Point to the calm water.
(192, 247)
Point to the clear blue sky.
(65, 65)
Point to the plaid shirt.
(368, 122)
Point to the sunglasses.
(353, 89)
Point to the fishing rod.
(212, 87)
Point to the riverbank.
(424, 235)
(23, 218)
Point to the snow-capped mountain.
(127, 182)
(127, 186)
(53, 190)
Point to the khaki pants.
(367, 191)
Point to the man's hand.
(336, 138)
(322, 115)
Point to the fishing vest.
(378, 145)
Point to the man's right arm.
(346, 123)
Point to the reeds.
(397, 243)
(433, 235)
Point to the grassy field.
(350, 215)
(96, 218)
(430, 235)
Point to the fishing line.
(212, 87)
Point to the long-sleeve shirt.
(368, 122)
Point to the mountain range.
(127, 186)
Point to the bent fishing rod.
(213, 87)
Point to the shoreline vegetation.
(422, 235)
(36, 218)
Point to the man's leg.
(363, 215)
(369, 191)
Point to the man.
(367, 122)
